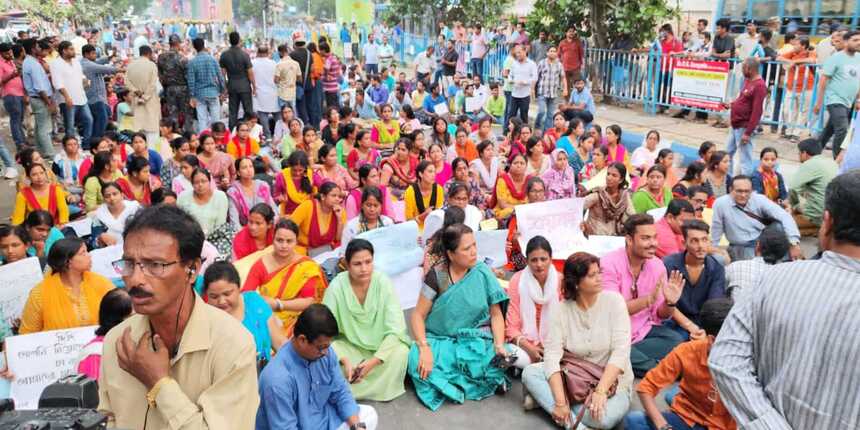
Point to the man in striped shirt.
(786, 356)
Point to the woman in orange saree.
(287, 280)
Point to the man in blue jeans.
(38, 87)
(697, 405)
(95, 70)
(205, 86)
(68, 79)
(12, 90)
(746, 111)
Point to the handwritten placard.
(557, 220)
(602, 245)
(395, 248)
(491, 247)
(16, 281)
(40, 359)
(441, 109)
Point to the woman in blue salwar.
(458, 326)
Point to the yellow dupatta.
(295, 195)
(61, 311)
(386, 137)
(289, 282)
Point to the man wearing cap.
(302, 56)
(172, 71)
(240, 79)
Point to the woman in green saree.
(372, 345)
(458, 326)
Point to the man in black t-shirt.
(240, 79)
(449, 67)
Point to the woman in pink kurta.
(532, 291)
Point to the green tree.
(485, 12)
(606, 20)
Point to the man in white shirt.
(78, 41)
(370, 52)
(523, 76)
(425, 63)
(386, 52)
(68, 79)
(266, 97)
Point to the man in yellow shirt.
(178, 363)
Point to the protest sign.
(602, 245)
(699, 83)
(556, 220)
(16, 281)
(407, 286)
(473, 104)
(395, 248)
(103, 259)
(491, 247)
(441, 109)
(82, 227)
(40, 359)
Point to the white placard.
(16, 281)
(473, 104)
(556, 220)
(408, 285)
(40, 359)
(657, 213)
(602, 245)
(82, 227)
(491, 247)
(103, 259)
(395, 248)
(441, 109)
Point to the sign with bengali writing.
(556, 220)
(40, 359)
(16, 281)
(699, 83)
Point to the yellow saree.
(302, 279)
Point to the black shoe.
(679, 115)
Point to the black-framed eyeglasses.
(125, 267)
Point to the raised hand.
(674, 287)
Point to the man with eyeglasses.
(178, 362)
(303, 388)
(742, 215)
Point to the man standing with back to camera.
(178, 363)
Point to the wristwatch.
(667, 427)
(358, 425)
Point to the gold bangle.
(153, 392)
(597, 390)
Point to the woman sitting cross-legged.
(593, 325)
(221, 289)
(458, 326)
(372, 345)
(534, 292)
(287, 280)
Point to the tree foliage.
(485, 12)
(82, 12)
(606, 20)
